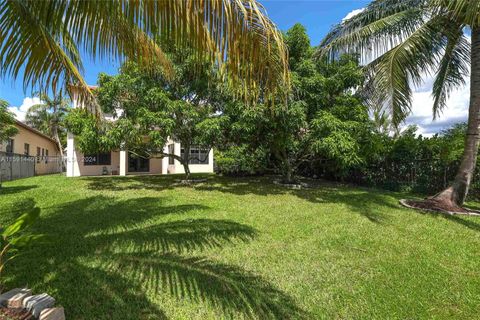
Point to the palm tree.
(7, 119)
(43, 39)
(48, 116)
(406, 38)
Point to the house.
(28, 153)
(121, 162)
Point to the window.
(26, 149)
(46, 156)
(99, 159)
(38, 154)
(197, 155)
(171, 150)
(9, 148)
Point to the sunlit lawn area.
(147, 248)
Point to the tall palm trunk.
(457, 192)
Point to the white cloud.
(422, 115)
(21, 111)
(352, 14)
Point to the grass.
(146, 248)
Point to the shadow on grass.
(109, 258)
(456, 219)
(11, 190)
(139, 182)
(366, 202)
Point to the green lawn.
(146, 248)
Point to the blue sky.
(318, 16)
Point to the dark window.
(99, 159)
(171, 150)
(138, 164)
(38, 154)
(9, 148)
(46, 156)
(197, 155)
(26, 149)
(104, 159)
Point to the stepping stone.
(14, 298)
(35, 304)
(52, 314)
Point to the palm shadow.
(107, 256)
(15, 189)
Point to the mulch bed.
(437, 206)
(15, 314)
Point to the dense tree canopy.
(324, 118)
(148, 108)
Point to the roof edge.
(27, 127)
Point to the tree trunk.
(59, 143)
(288, 172)
(185, 160)
(458, 191)
(287, 168)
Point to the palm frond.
(376, 37)
(43, 38)
(452, 69)
(44, 55)
(379, 17)
(405, 65)
(462, 11)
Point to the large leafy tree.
(42, 40)
(151, 108)
(406, 38)
(48, 117)
(323, 119)
(7, 121)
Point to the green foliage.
(324, 117)
(7, 119)
(148, 104)
(337, 143)
(90, 135)
(241, 161)
(15, 237)
(298, 44)
(406, 162)
(150, 108)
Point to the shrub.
(241, 161)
